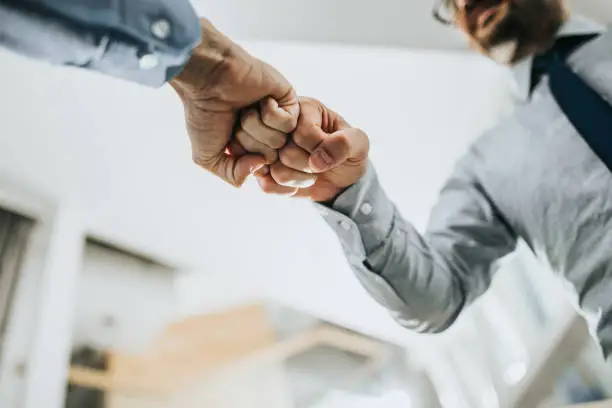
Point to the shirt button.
(161, 29)
(148, 61)
(323, 212)
(345, 225)
(366, 209)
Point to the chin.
(504, 53)
(512, 52)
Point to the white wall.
(123, 303)
(119, 152)
(387, 22)
(381, 22)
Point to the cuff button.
(161, 29)
(345, 225)
(366, 209)
(148, 62)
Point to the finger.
(236, 149)
(262, 171)
(308, 135)
(288, 177)
(251, 145)
(284, 94)
(283, 119)
(252, 124)
(234, 170)
(269, 186)
(337, 148)
(295, 157)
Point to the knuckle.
(270, 155)
(200, 161)
(248, 142)
(281, 122)
(271, 118)
(305, 135)
(249, 119)
(292, 124)
(344, 143)
(299, 136)
(289, 155)
(277, 140)
(342, 139)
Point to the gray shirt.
(146, 42)
(530, 177)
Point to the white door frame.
(39, 333)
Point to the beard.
(521, 28)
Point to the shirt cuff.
(362, 216)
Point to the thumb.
(337, 148)
(236, 170)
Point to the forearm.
(399, 269)
(424, 280)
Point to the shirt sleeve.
(423, 280)
(143, 41)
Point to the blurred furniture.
(78, 396)
(602, 404)
(229, 359)
(512, 346)
(188, 348)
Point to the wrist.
(329, 199)
(207, 61)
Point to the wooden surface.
(187, 349)
(603, 404)
(226, 360)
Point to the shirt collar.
(575, 25)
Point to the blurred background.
(129, 278)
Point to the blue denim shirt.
(143, 41)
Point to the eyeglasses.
(444, 11)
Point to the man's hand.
(324, 156)
(220, 80)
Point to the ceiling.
(395, 23)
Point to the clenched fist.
(219, 81)
(323, 156)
